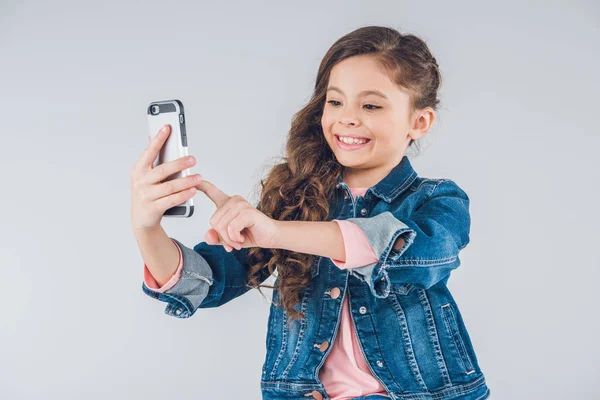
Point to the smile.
(350, 147)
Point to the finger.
(212, 237)
(222, 210)
(238, 224)
(150, 154)
(175, 199)
(242, 220)
(167, 188)
(164, 170)
(222, 226)
(233, 229)
(213, 193)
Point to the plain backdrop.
(517, 129)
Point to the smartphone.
(176, 146)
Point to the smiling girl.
(363, 247)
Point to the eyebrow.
(364, 92)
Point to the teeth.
(352, 140)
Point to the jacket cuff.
(192, 287)
(358, 251)
(382, 231)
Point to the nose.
(348, 120)
(348, 117)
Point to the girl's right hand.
(149, 197)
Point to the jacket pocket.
(453, 330)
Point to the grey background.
(517, 130)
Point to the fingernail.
(164, 128)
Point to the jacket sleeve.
(433, 236)
(210, 277)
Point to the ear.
(422, 122)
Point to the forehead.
(356, 74)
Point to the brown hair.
(302, 187)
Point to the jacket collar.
(395, 182)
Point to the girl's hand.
(237, 223)
(150, 198)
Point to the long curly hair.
(302, 187)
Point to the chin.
(349, 161)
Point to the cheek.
(385, 130)
(380, 131)
(326, 122)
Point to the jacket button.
(362, 310)
(335, 293)
(379, 363)
(323, 346)
(315, 395)
(178, 311)
(363, 212)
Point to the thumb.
(212, 237)
(213, 193)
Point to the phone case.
(171, 112)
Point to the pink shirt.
(345, 373)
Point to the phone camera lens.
(155, 109)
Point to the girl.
(363, 247)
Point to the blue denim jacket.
(407, 323)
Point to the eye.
(374, 107)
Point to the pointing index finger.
(213, 193)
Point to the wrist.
(276, 240)
(145, 229)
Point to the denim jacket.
(407, 323)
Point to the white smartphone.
(176, 146)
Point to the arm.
(151, 282)
(321, 238)
(357, 247)
(358, 251)
(421, 249)
(158, 252)
(325, 239)
(210, 277)
(433, 236)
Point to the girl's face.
(363, 102)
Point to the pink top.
(345, 373)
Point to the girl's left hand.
(237, 223)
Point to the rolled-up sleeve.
(358, 251)
(188, 287)
(433, 236)
(210, 277)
